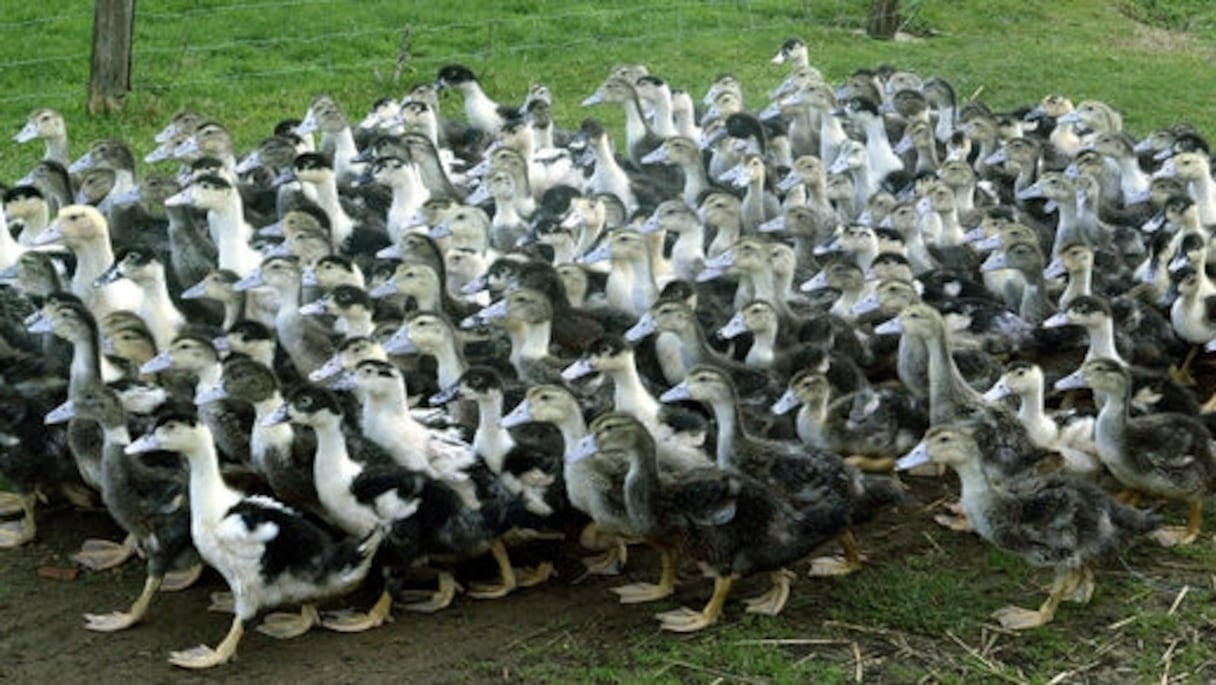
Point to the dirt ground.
(42, 638)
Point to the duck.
(684, 153)
(1164, 454)
(157, 310)
(229, 230)
(1192, 314)
(303, 338)
(482, 112)
(267, 552)
(712, 516)
(1070, 433)
(872, 425)
(799, 473)
(85, 231)
(1056, 521)
(49, 125)
(351, 305)
(631, 284)
(432, 334)
(147, 495)
(218, 285)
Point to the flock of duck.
(361, 351)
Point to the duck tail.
(1135, 521)
(872, 493)
(353, 557)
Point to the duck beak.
(85, 162)
(676, 393)
(279, 416)
(656, 156)
(39, 323)
(998, 391)
(159, 363)
(399, 343)
(27, 133)
(215, 393)
(1073, 381)
(49, 234)
(274, 230)
(1056, 320)
(582, 449)
(865, 305)
(344, 382)
(889, 327)
(452, 392)
(331, 368)
(644, 327)
(601, 253)
(520, 415)
(60, 414)
(316, 308)
(145, 443)
(581, 367)
(995, 262)
(786, 403)
(733, 328)
(919, 455)
(249, 282)
(108, 276)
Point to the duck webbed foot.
(1067, 583)
(12, 503)
(851, 562)
(637, 593)
(1173, 536)
(17, 533)
(176, 581)
(100, 555)
(506, 576)
(610, 562)
(203, 656)
(222, 603)
(356, 622)
(1083, 591)
(685, 620)
(535, 575)
(119, 620)
(870, 464)
(1182, 374)
(954, 519)
(773, 601)
(283, 626)
(440, 599)
(1209, 406)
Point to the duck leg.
(284, 626)
(840, 566)
(352, 622)
(1182, 374)
(100, 555)
(176, 581)
(441, 598)
(17, 533)
(772, 602)
(1016, 618)
(955, 520)
(1172, 536)
(535, 575)
(685, 620)
(871, 464)
(11, 503)
(506, 576)
(614, 557)
(203, 656)
(637, 593)
(1084, 590)
(119, 620)
(222, 603)
(1209, 406)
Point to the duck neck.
(386, 419)
(1110, 427)
(341, 225)
(812, 417)
(115, 435)
(1102, 341)
(1080, 283)
(630, 395)
(763, 349)
(883, 159)
(730, 428)
(573, 428)
(231, 234)
(947, 389)
(696, 181)
(263, 437)
(533, 342)
(358, 324)
(409, 194)
(92, 259)
(1204, 192)
(344, 151)
(450, 363)
(35, 222)
(636, 128)
(210, 497)
(159, 312)
(491, 440)
(976, 491)
(641, 491)
(208, 375)
(86, 362)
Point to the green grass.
(250, 64)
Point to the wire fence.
(191, 43)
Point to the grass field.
(921, 611)
(252, 63)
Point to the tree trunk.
(884, 19)
(110, 77)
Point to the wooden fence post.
(110, 76)
(884, 19)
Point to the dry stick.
(1178, 600)
(992, 667)
(1168, 659)
(933, 541)
(857, 674)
